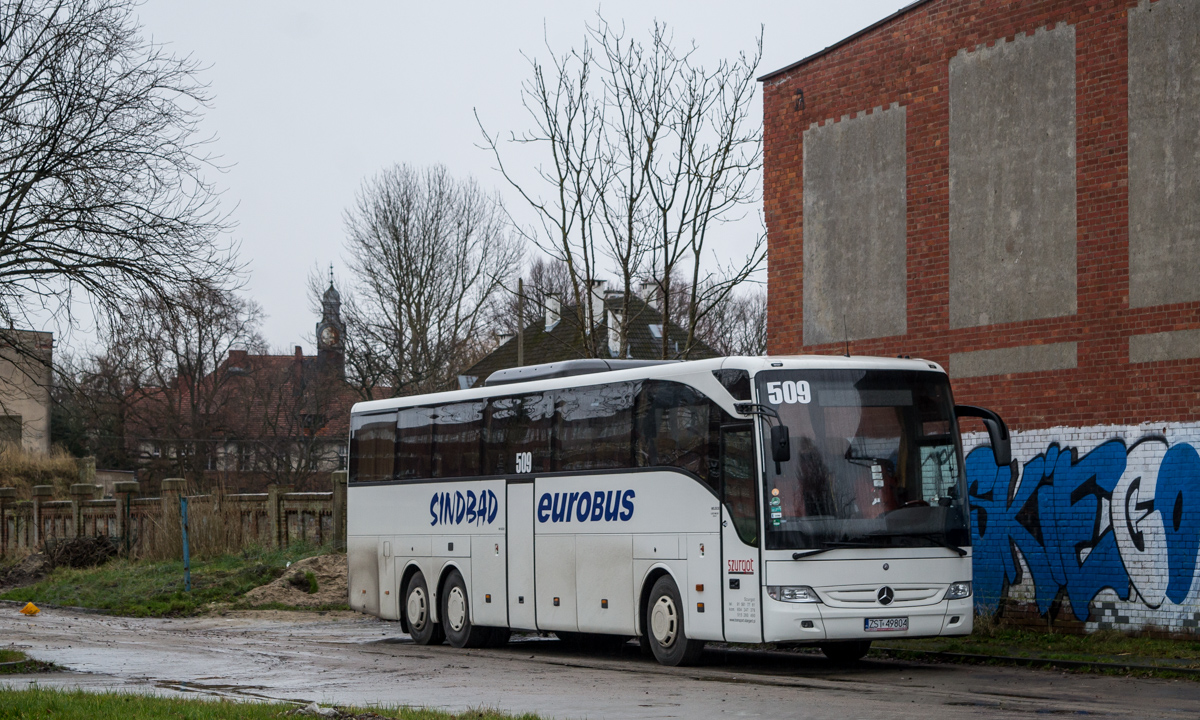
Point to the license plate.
(885, 624)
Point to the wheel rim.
(456, 609)
(418, 608)
(664, 621)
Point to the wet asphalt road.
(341, 658)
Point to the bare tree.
(161, 371)
(647, 151)
(101, 186)
(430, 255)
(737, 325)
(567, 114)
(544, 279)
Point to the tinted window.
(737, 382)
(675, 427)
(457, 439)
(414, 443)
(518, 425)
(738, 484)
(594, 426)
(372, 446)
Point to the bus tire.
(418, 612)
(846, 652)
(665, 629)
(456, 615)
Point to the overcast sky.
(310, 98)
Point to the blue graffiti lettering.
(1107, 520)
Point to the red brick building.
(1012, 189)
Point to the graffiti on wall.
(1120, 517)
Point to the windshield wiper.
(826, 547)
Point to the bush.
(304, 581)
(22, 470)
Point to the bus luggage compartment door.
(554, 558)
(519, 526)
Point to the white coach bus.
(815, 500)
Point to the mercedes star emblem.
(886, 595)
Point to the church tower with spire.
(331, 347)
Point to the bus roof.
(554, 381)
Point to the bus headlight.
(792, 593)
(959, 590)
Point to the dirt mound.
(292, 587)
(25, 572)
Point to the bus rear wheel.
(418, 612)
(456, 615)
(665, 629)
(846, 652)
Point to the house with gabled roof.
(558, 337)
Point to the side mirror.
(996, 429)
(781, 445)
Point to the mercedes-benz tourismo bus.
(813, 500)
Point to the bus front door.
(742, 569)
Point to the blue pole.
(187, 561)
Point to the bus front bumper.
(814, 622)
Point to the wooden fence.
(276, 518)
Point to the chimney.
(553, 311)
(648, 292)
(614, 333)
(597, 290)
(238, 360)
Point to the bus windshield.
(875, 461)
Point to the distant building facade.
(26, 375)
(1013, 190)
(259, 420)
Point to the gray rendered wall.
(855, 207)
(1164, 152)
(1012, 180)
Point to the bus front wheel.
(456, 615)
(665, 629)
(418, 612)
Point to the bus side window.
(737, 480)
(519, 425)
(372, 441)
(457, 437)
(672, 428)
(594, 426)
(414, 444)
(500, 422)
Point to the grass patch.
(38, 702)
(142, 588)
(1103, 647)
(13, 662)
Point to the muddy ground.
(342, 658)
